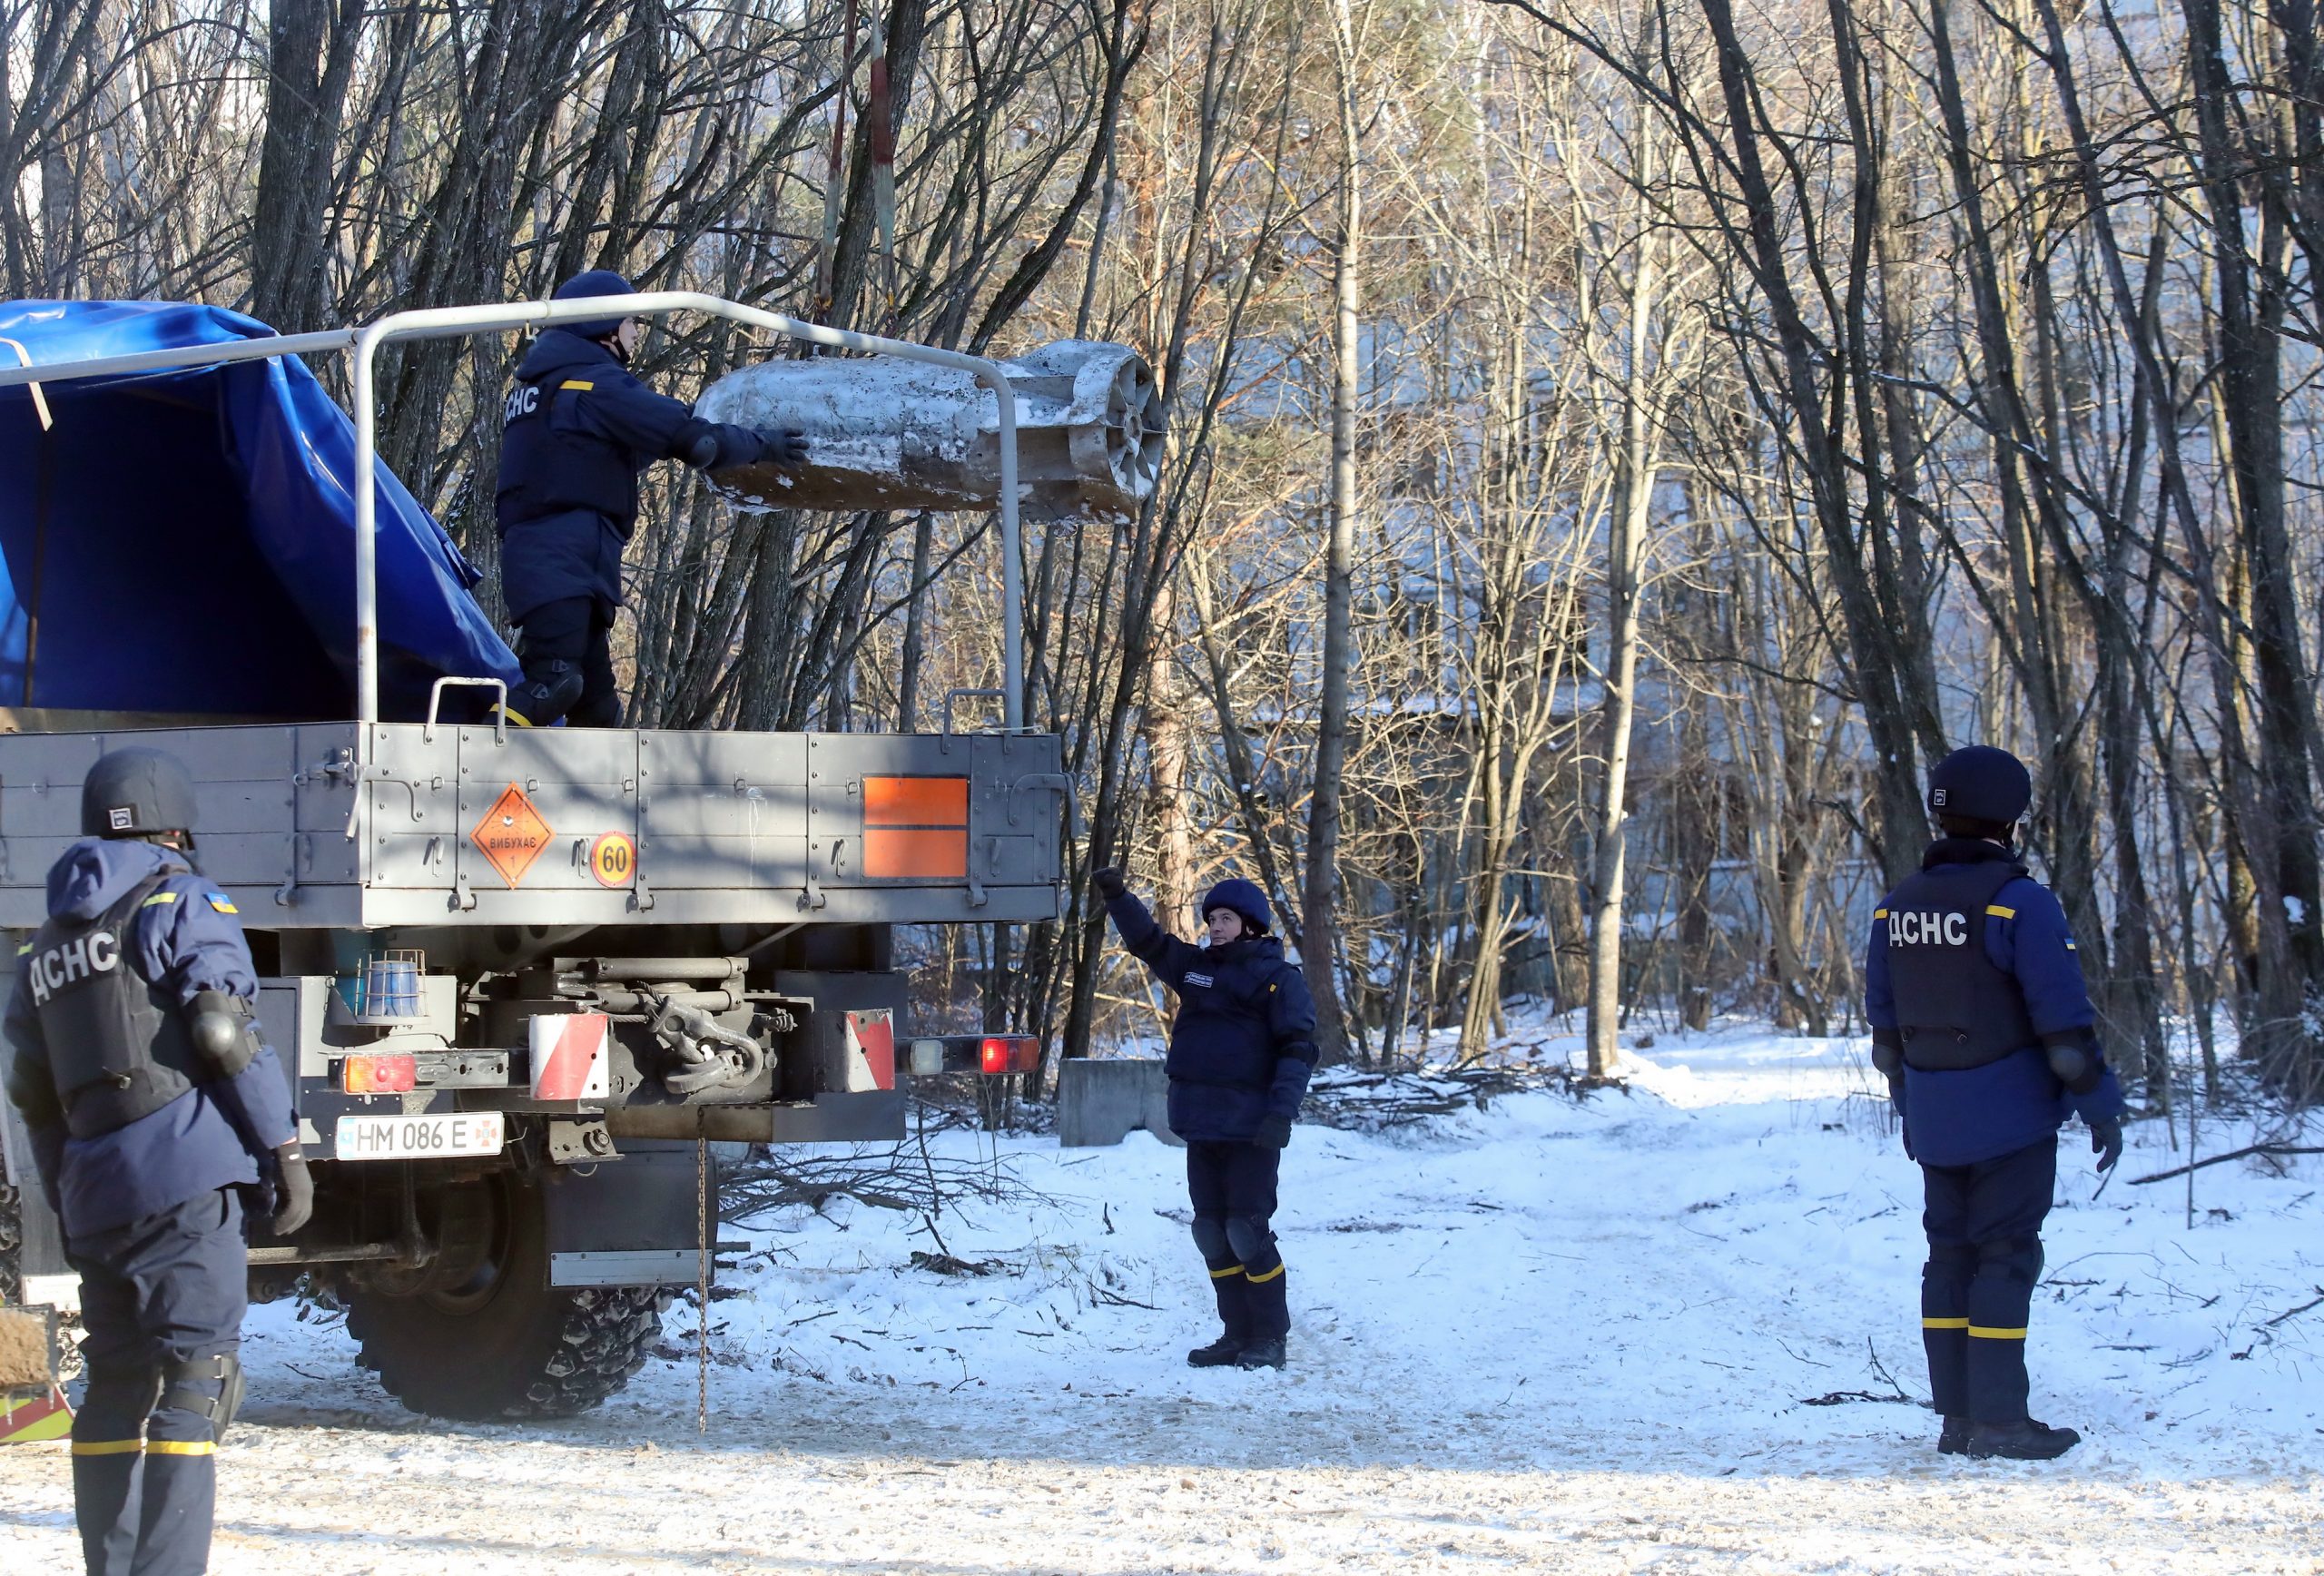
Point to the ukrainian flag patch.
(222, 902)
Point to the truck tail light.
(379, 1074)
(1011, 1053)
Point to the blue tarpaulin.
(183, 541)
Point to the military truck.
(519, 978)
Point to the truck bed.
(469, 825)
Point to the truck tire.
(504, 1342)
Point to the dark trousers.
(1232, 1186)
(157, 1295)
(1984, 1254)
(576, 630)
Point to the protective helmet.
(1243, 898)
(1981, 784)
(136, 794)
(597, 282)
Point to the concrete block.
(1103, 1102)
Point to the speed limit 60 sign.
(613, 858)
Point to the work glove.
(1274, 1132)
(2106, 1141)
(786, 448)
(294, 1189)
(1109, 882)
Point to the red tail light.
(1011, 1053)
(379, 1074)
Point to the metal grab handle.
(1062, 783)
(959, 695)
(436, 699)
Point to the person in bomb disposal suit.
(151, 1102)
(1982, 1024)
(1241, 1052)
(575, 432)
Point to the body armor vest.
(1954, 1009)
(117, 1048)
(545, 471)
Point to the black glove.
(1109, 882)
(786, 448)
(2106, 1141)
(1274, 1132)
(294, 1189)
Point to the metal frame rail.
(445, 322)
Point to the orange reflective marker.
(379, 1074)
(511, 835)
(916, 828)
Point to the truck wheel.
(502, 1342)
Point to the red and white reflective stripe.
(569, 1056)
(872, 1048)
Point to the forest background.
(1615, 445)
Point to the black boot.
(1270, 1318)
(2024, 1440)
(1231, 1288)
(1220, 1354)
(551, 687)
(1953, 1439)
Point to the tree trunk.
(310, 53)
(1319, 931)
(1626, 548)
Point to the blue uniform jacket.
(579, 429)
(214, 1135)
(1243, 1044)
(1959, 1119)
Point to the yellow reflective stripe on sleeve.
(577, 383)
(107, 1446)
(1222, 1274)
(1945, 1324)
(179, 1447)
(158, 898)
(24, 950)
(1263, 1279)
(1987, 1332)
(2000, 912)
(1880, 914)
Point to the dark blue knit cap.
(1981, 784)
(1241, 896)
(597, 282)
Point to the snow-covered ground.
(1585, 1336)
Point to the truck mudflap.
(638, 1223)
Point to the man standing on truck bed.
(1241, 1053)
(150, 1100)
(576, 431)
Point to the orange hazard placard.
(512, 834)
(916, 828)
(613, 860)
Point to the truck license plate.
(418, 1138)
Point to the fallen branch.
(2232, 1155)
(945, 1263)
(2289, 1313)
(1378, 1101)
(901, 1179)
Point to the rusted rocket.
(893, 435)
